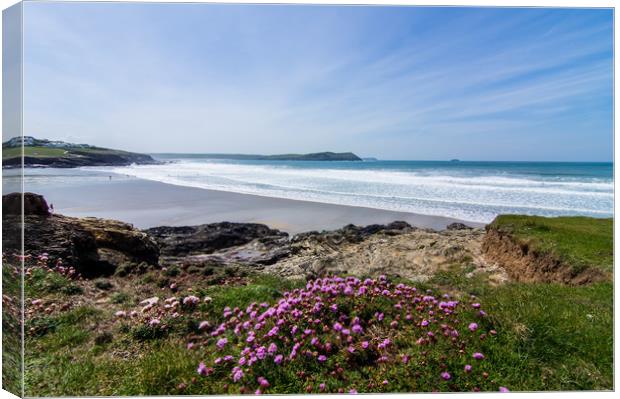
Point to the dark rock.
(352, 233)
(208, 238)
(458, 226)
(34, 204)
(94, 247)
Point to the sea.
(470, 191)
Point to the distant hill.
(317, 156)
(59, 154)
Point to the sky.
(387, 82)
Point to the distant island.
(59, 154)
(317, 156)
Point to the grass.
(551, 337)
(37, 152)
(43, 152)
(579, 241)
(11, 329)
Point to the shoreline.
(146, 203)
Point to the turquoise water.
(475, 191)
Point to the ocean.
(470, 191)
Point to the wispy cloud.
(400, 83)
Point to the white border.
(483, 3)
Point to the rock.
(208, 238)
(34, 204)
(94, 247)
(458, 226)
(394, 250)
(352, 233)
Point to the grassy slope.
(42, 152)
(32, 152)
(551, 336)
(579, 241)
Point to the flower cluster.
(336, 320)
(157, 313)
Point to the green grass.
(11, 330)
(551, 337)
(579, 241)
(40, 152)
(42, 282)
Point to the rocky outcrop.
(396, 249)
(458, 226)
(93, 246)
(58, 154)
(80, 158)
(34, 204)
(208, 238)
(522, 263)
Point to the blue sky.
(390, 82)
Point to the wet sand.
(148, 204)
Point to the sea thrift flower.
(473, 327)
(237, 374)
(190, 300)
(262, 381)
(467, 368)
(445, 375)
(504, 389)
(478, 356)
(203, 369)
(203, 325)
(121, 313)
(221, 343)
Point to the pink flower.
(237, 374)
(322, 358)
(262, 381)
(467, 368)
(278, 359)
(221, 343)
(203, 325)
(504, 389)
(445, 375)
(478, 356)
(473, 326)
(203, 369)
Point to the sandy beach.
(147, 204)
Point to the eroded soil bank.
(523, 263)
